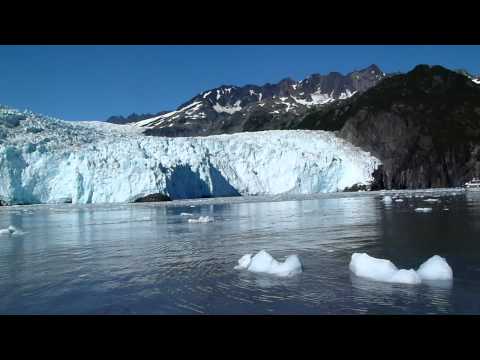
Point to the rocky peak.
(229, 108)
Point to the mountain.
(230, 109)
(423, 125)
(132, 118)
(47, 160)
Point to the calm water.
(147, 259)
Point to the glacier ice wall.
(45, 160)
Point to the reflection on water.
(147, 259)
(392, 298)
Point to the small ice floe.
(424, 210)
(435, 268)
(399, 200)
(11, 230)
(387, 199)
(431, 200)
(192, 206)
(446, 209)
(185, 214)
(263, 262)
(244, 262)
(366, 266)
(201, 219)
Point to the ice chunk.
(185, 214)
(201, 219)
(435, 268)
(291, 266)
(387, 199)
(432, 200)
(11, 230)
(366, 266)
(399, 200)
(263, 262)
(244, 262)
(425, 210)
(403, 276)
(4, 232)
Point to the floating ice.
(399, 200)
(425, 210)
(403, 276)
(11, 230)
(387, 199)
(431, 200)
(185, 214)
(372, 268)
(244, 262)
(435, 268)
(366, 266)
(263, 262)
(201, 219)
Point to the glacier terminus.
(46, 160)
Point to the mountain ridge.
(230, 108)
(423, 125)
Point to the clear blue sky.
(94, 82)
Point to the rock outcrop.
(423, 125)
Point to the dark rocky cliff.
(424, 126)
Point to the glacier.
(47, 160)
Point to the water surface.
(147, 259)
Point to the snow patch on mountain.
(228, 108)
(188, 111)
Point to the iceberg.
(244, 262)
(366, 266)
(11, 230)
(201, 219)
(387, 199)
(424, 210)
(263, 262)
(403, 276)
(46, 160)
(435, 268)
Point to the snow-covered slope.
(45, 160)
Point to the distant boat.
(473, 185)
